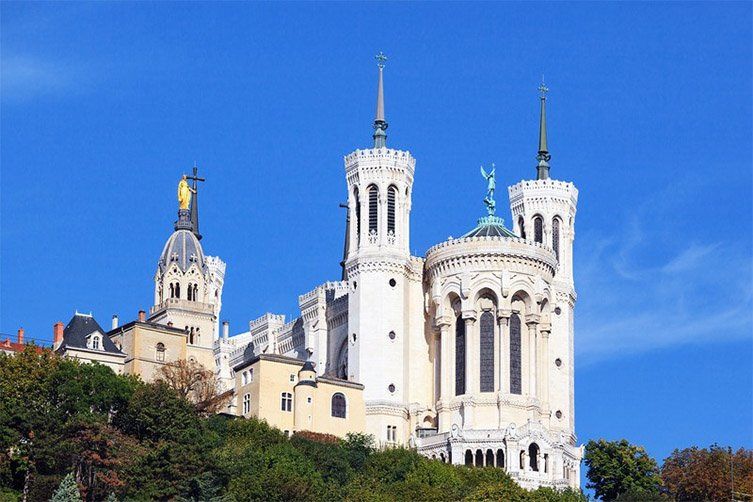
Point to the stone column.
(446, 373)
(543, 390)
(532, 321)
(471, 354)
(504, 351)
(382, 217)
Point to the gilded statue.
(184, 193)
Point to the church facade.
(465, 353)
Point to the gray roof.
(490, 226)
(79, 328)
(183, 248)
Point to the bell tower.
(543, 210)
(378, 270)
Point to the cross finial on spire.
(381, 59)
(542, 169)
(380, 123)
(543, 89)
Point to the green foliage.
(618, 467)
(67, 491)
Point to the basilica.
(465, 353)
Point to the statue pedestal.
(184, 220)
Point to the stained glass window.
(515, 380)
(486, 345)
(459, 356)
(538, 229)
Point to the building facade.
(464, 353)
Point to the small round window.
(391, 388)
(393, 283)
(558, 362)
(392, 335)
(557, 310)
(558, 414)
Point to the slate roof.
(183, 248)
(79, 327)
(490, 226)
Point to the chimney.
(142, 316)
(57, 335)
(225, 329)
(20, 336)
(114, 321)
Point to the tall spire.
(542, 170)
(380, 124)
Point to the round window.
(558, 362)
(558, 414)
(391, 388)
(557, 310)
(392, 335)
(393, 283)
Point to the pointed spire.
(542, 170)
(380, 124)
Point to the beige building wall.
(112, 361)
(265, 379)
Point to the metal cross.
(543, 89)
(381, 59)
(195, 176)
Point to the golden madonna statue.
(184, 193)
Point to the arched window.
(358, 214)
(96, 342)
(515, 382)
(160, 352)
(286, 401)
(468, 457)
(556, 237)
(479, 458)
(246, 404)
(522, 226)
(486, 347)
(339, 407)
(459, 356)
(391, 196)
(177, 290)
(190, 292)
(196, 292)
(172, 290)
(538, 229)
(500, 458)
(190, 336)
(489, 458)
(373, 209)
(533, 456)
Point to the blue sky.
(104, 105)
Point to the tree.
(617, 467)
(67, 491)
(197, 384)
(707, 474)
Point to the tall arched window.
(190, 336)
(339, 407)
(172, 290)
(486, 346)
(538, 229)
(190, 292)
(177, 290)
(459, 356)
(515, 382)
(500, 458)
(196, 292)
(373, 209)
(391, 196)
(358, 214)
(160, 352)
(556, 237)
(468, 457)
(522, 226)
(533, 456)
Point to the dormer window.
(94, 341)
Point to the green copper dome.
(490, 226)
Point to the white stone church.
(465, 353)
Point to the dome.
(490, 226)
(182, 247)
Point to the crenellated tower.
(543, 211)
(381, 276)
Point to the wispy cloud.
(644, 288)
(23, 77)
